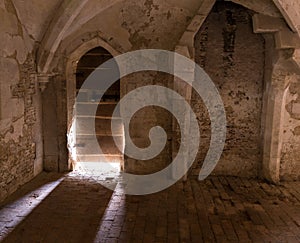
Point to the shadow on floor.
(39, 181)
(76, 208)
(72, 211)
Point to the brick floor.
(76, 208)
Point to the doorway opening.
(88, 159)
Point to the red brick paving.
(220, 209)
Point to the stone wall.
(290, 157)
(54, 101)
(233, 57)
(20, 131)
(144, 120)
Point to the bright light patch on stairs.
(89, 125)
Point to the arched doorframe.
(63, 19)
(283, 40)
(58, 98)
(71, 67)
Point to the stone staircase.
(103, 133)
(86, 104)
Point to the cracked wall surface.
(20, 133)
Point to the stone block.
(267, 24)
(286, 39)
(187, 39)
(196, 23)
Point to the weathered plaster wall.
(133, 25)
(20, 121)
(233, 56)
(290, 157)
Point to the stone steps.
(99, 158)
(105, 109)
(89, 110)
(84, 125)
(106, 143)
(86, 152)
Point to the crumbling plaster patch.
(18, 148)
(9, 73)
(133, 25)
(158, 22)
(290, 156)
(14, 37)
(18, 127)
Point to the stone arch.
(64, 17)
(285, 40)
(62, 91)
(59, 26)
(71, 65)
(270, 23)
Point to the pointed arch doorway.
(83, 156)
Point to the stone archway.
(85, 154)
(71, 70)
(62, 21)
(281, 43)
(59, 94)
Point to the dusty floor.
(76, 208)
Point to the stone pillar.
(185, 90)
(280, 65)
(43, 79)
(186, 48)
(274, 112)
(49, 117)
